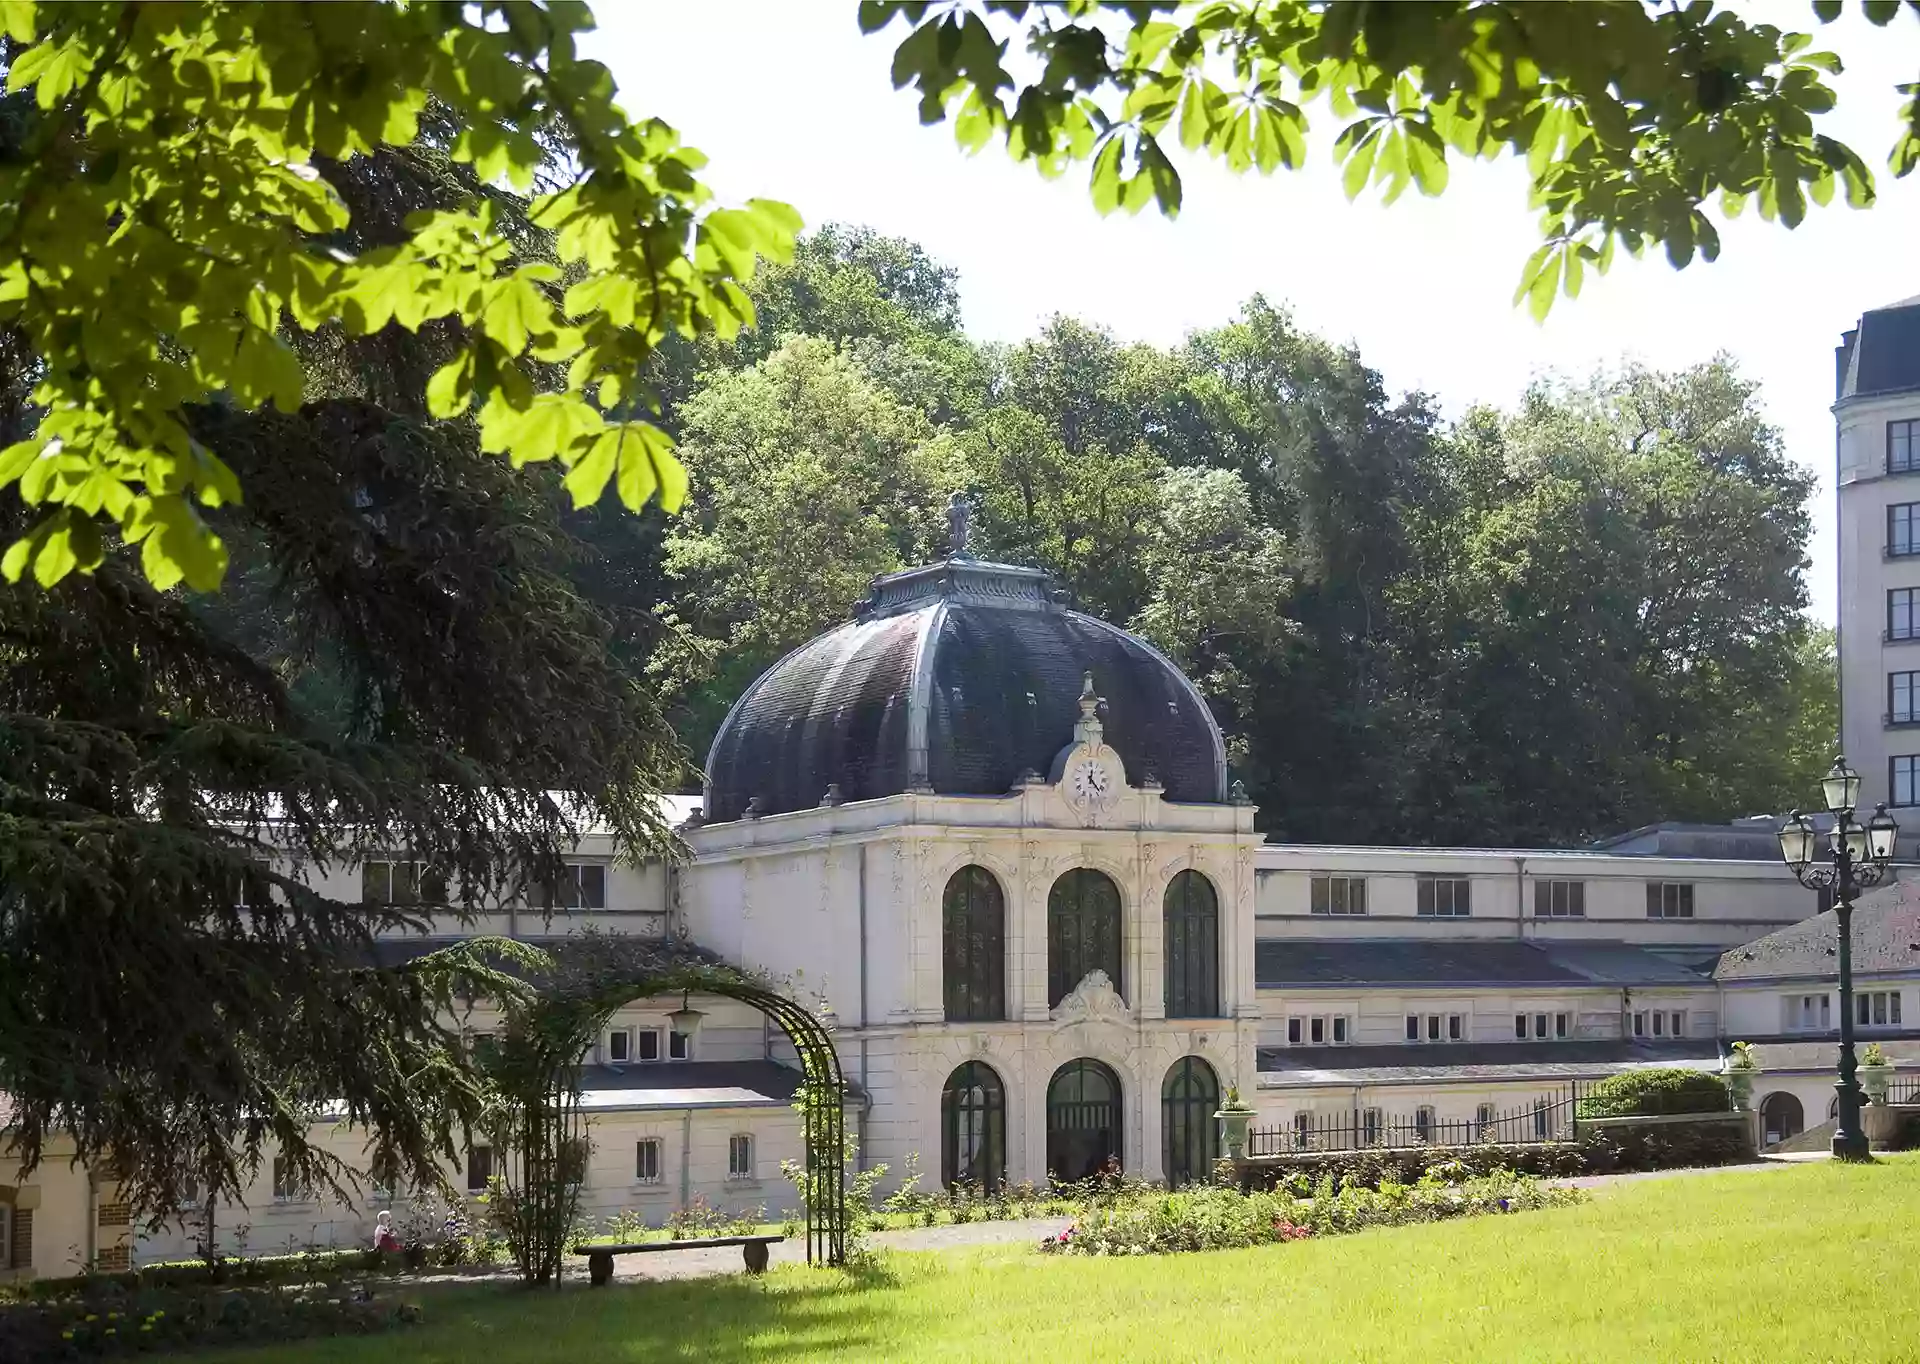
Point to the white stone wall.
(1866, 574)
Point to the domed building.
(994, 837)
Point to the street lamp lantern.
(1862, 857)
(1841, 786)
(1881, 833)
(1796, 842)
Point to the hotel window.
(1540, 1026)
(679, 1046)
(1340, 1029)
(646, 1161)
(402, 883)
(1809, 1013)
(1317, 1030)
(619, 1046)
(1444, 897)
(1456, 1027)
(1296, 1031)
(647, 1044)
(1413, 1027)
(1877, 1009)
(1903, 690)
(1640, 1024)
(1483, 1120)
(1903, 529)
(479, 1168)
(1520, 1027)
(1338, 895)
(1903, 779)
(1540, 1119)
(1436, 1027)
(1903, 613)
(1903, 447)
(1423, 1123)
(1302, 1129)
(1561, 1024)
(1669, 900)
(1371, 1123)
(1559, 899)
(583, 885)
(740, 1156)
(286, 1189)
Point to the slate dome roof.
(957, 678)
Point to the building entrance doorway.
(1083, 1120)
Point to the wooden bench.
(600, 1258)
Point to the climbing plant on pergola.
(574, 988)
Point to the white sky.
(790, 102)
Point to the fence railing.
(1548, 1118)
(1903, 1089)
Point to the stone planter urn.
(1740, 1086)
(1873, 1082)
(1234, 1117)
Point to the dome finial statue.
(959, 514)
(1089, 729)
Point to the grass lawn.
(1820, 1262)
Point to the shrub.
(1452, 1164)
(1649, 1093)
(175, 1318)
(1214, 1217)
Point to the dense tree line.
(1530, 626)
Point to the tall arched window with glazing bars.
(973, 1128)
(1083, 932)
(1189, 1135)
(1192, 960)
(973, 917)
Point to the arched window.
(974, 926)
(1781, 1117)
(1083, 1120)
(1083, 932)
(1193, 947)
(1189, 1135)
(973, 1128)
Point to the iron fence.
(1903, 1089)
(1548, 1118)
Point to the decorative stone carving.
(1093, 1000)
(1090, 775)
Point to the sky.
(790, 102)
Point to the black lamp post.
(1860, 858)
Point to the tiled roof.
(1886, 939)
(1281, 962)
(1882, 355)
(1491, 1061)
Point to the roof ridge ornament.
(959, 522)
(1088, 730)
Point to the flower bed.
(1217, 1217)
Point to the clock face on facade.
(1089, 782)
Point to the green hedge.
(229, 1271)
(1617, 1150)
(1650, 1093)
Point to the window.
(647, 1042)
(1877, 1009)
(1444, 897)
(1436, 1027)
(1483, 1121)
(1903, 613)
(1640, 1024)
(1413, 1027)
(1084, 1126)
(1540, 1026)
(1302, 1129)
(619, 1046)
(1559, 899)
(583, 885)
(1659, 1024)
(479, 1168)
(1669, 900)
(1295, 1030)
(1338, 895)
(973, 1128)
(1083, 932)
(19, 1243)
(1318, 1031)
(1903, 779)
(679, 1046)
(1372, 1121)
(1191, 925)
(1456, 1027)
(740, 1156)
(1340, 1027)
(1189, 1133)
(1677, 1023)
(1539, 1119)
(646, 1161)
(1901, 689)
(1903, 529)
(1903, 447)
(1520, 1027)
(1807, 1013)
(1560, 1022)
(973, 925)
(1423, 1123)
(402, 883)
(287, 1187)
(1433, 1027)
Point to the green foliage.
(1646, 1093)
(1631, 118)
(169, 229)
